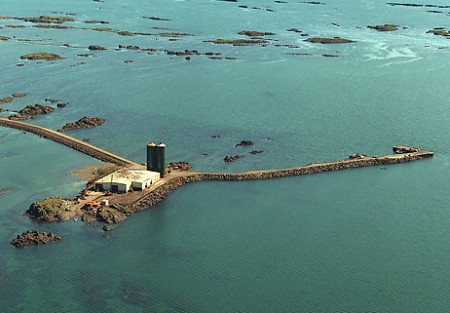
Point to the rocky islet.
(84, 122)
(34, 237)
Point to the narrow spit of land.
(68, 141)
(123, 205)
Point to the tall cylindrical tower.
(161, 159)
(151, 156)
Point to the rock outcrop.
(239, 42)
(19, 94)
(30, 111)
(6, 100)
(384, 28)
(36, 109)
(232, 158)
(179, 166)
(4, 191)
(253, 33)
(41, 56)
(54, 209)
(34, 237)
(96, 47)
(110, 215)
(334, 40)
(84, 122)
(245, 143)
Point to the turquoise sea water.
(365, 240)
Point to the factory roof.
(126, 176)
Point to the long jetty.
(403, 154)
(68, 141)
(126, 204)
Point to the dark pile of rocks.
(357, 156)
(232, 158)
(334, 40)
(35, 109)
(4, 191)
(30, 111)
(244, 143)
(34, 237)
(179, 166)
(84, 122)
(96, 47)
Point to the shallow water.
(371, 239)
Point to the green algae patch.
(253, 33)
(334, 40)
(41, 56)
(384, 28)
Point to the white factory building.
(124, 180)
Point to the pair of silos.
(156, 158)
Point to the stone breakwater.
(160, 193)
(68, 141)
(123, 206)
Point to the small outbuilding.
(124, 180)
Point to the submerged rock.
(18, 95)
(245, 143)
(439, 31)
(4, 191)
(6, 100)
(155, 18)
(84, 122)
(108, 227)
(96, 47)
(34, 237)
(232, 158)
(96, 22)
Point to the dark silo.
(160, 156)
(151, 157)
